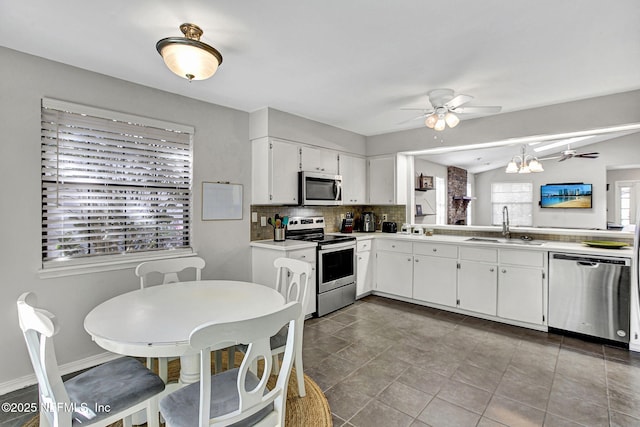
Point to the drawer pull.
(492, 269)
(504, 270)
(435, 250)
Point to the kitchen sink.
(507, 241)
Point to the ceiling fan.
(569, 154)
(445, 107)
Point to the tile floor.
(387, 363)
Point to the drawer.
(308, 255)
(435, 249)
(363, 245)
(526, 258)
(478, 254)
(394, 246)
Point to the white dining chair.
(169, 269)
(292, 281)
(99, 396)
(236, 395)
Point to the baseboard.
(67, 368)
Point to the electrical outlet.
(263, 221)
(254, 216)
(384, 217)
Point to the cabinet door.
(363, 272)
(318, 160)
(382, 181)
(284, 165)
(394, 273)
(477, 287)
(434, 279)
(521, 294)
(354, 179)
(308, 255)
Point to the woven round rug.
(309, 411)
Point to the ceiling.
(351, 64)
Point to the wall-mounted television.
(566, 196)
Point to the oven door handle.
(335, 246)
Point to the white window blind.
(112, 183)
(517, 197)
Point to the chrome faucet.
(505, 223)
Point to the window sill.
(53, 269)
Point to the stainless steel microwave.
(319, 189)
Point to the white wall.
(221, 152)
(613, 152)
(428, 198)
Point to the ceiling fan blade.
(426, 110)
(458, 101)
(588, 155)
(421, 116)
(549, 158)
(477, 110)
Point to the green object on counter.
(605, 244)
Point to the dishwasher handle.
(588, 264)
(589, 259)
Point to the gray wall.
(221, 152)
(278, 124)
(567, 117)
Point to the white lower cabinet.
(506, 284)
(477, 287)
(521, 286)
(364, 267)
(265, 273)
(435, 273)
(394, 267)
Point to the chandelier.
(524, 163)
(187, 56)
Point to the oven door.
(320, 189)
(336, 265)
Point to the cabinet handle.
(303, 256)
(504, 270)
(417, 260)
(359, 257)
(409, 259)
(492, 269)
(393, 246)
(435, 250)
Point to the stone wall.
(456, 189)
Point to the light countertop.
(548, 245)
(285, 245)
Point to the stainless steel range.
(336, 269)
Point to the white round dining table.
(156, 321)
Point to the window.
(517, 197)
(112, 183)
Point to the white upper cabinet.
(318, 160)
(354, 179)
(388, 180)
(275, 165)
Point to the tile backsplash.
(331, 214)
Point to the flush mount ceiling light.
(524, 163)
(187, 56)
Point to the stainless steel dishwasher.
(590, 295)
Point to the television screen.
(568, 196)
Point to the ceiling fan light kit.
(187, 56)
(446, 107)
